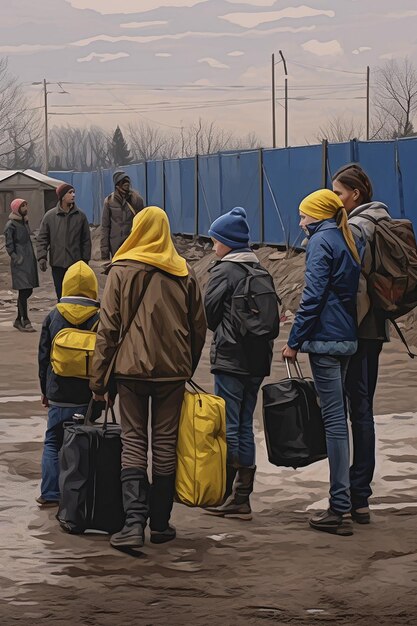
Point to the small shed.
(36, 188)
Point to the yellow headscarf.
(325, 204)
(150, 242)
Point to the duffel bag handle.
(297, 367)
(106, 414)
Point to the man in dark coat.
(22, 261)
(120, 207)
(65, 234)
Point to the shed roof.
(41, 178)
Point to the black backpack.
(255, 304)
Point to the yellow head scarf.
(150, 242)
(325, 204)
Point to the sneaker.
(27, 327)
(18, 324)
(46, 503)
(162, 537)
(331, 522)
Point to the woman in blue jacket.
(325, 326)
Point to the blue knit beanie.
(231, 229)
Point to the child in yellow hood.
(64, 396)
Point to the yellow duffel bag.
(201, 449)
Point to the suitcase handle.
(296, 366)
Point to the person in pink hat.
(22, 261)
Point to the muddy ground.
(273, 569)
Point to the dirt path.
(271, 570)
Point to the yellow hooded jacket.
(78, 307)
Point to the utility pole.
(274, 130)
(368, 77)
(286, 97)
(46, 143)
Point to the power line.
(329, 69)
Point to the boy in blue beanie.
(239, 363)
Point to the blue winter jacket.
(327, 309)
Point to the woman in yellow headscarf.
(152, 331)
(325, 327)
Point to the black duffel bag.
(294, 430)
(89, 479)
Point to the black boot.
(162, 499)
(231, 471)
(135, 492)
(238, 504)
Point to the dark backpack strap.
(403, 339)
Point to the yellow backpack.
(72, 352)
(201, 450)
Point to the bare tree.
(20, 128)
(396, 97)
(81, 149)
(148, 142)
(340, 128)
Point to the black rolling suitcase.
(89, 480)
(293, 426)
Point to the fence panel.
(378, 159)
(239, 186)
(407, 156)
(155, 184)
(209, 191)
(289, 175)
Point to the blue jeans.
(240, 394)
(329, 374)
(361, 382)
(53, 443)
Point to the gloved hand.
(43, 265)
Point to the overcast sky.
(211, 58)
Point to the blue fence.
(269, 184)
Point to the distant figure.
(120, 207)
(22, 261)
(65, 233)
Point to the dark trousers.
(361, 383)
(58, 274)
(22, 303)
(166, 402)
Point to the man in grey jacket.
(120, 207)
(65, 234)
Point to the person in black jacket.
(239, 364)
(65, 234)
(22, 261)
(64, 396)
